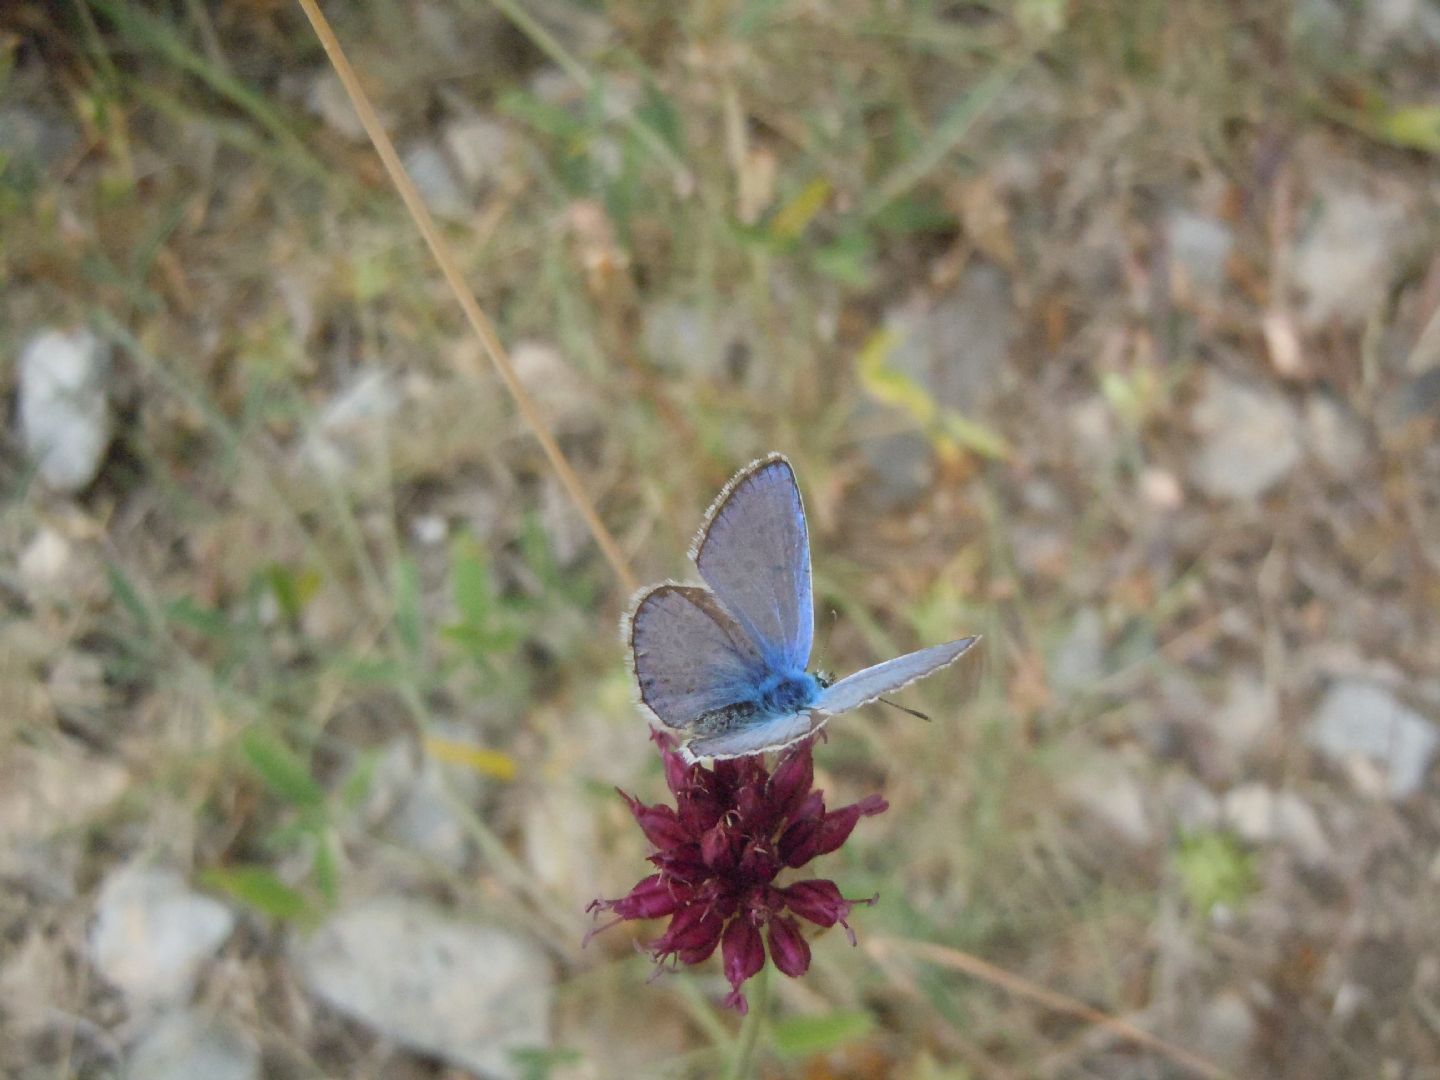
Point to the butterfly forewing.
(754, 552)
(865, 686)
(690, 657)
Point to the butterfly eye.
(824, 678)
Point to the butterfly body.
(725, 665)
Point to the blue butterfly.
(725, 666)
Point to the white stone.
(429, 529)
(1249, 439)
(44, 562)
(956, 347)
(1347, 258)
(42, 793)
(1199, 248)
(1192, 806)
(435, 180)
(354, 417)
(152, 933)
(1263, 816)
(1248, 715)
(1360, 719)
(566, 398)
(479, 147)
(64, 409)
(1079, 658)
(327, 99)
(467, 993)
(1334, 436)
(1113, 796)
(191, 1046)
(1227, 1031)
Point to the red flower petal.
(788, 947)
(653, 898)
(717, 847)
(743, 951)
(792, 781)
(692, 934)
(660, 824)
(817, 900)
(806, 840)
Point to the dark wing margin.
(754, 551)
(687, 654)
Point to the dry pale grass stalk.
(956, 960)
(481, 324)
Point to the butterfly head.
(825, 678)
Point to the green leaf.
(1414, 126)
(292, 591)
(847, 259)
(207, 621)
(258, 887)
(911, 214)
(539, 1063)
(471, 582)
(357, 784)
(802, 1036)
(408, 624)
(658, 113)
(325, 868)
(283, 772)
(127, 596)
(1215, 868)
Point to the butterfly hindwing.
(772, 734)
(689, 656)
(865, 686)
(754, 552)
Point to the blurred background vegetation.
(1106, 329)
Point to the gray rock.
(435, 180)
(1111, 794)
(1360, 721)
(568, 401)
(1200, 245)
(408, 798)
(350, 420)
(1249, 713)
(1263, 816)
(45, 793)
(957, 347)
(1192, 807)
(467, 993)
(479, 146)
(688, 340)
(152, 933)
(326, 98)
(1227, 1031)
(1346, 259)
(34, 141)
(188, 1045)
(55, 571)
(1335, 436)
(1079, 659)
(1409, 26)
(902, 462)
(1250, 439)
(64, 406)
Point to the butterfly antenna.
(902, 708)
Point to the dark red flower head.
(733, 829)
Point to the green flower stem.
(742, 1067)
